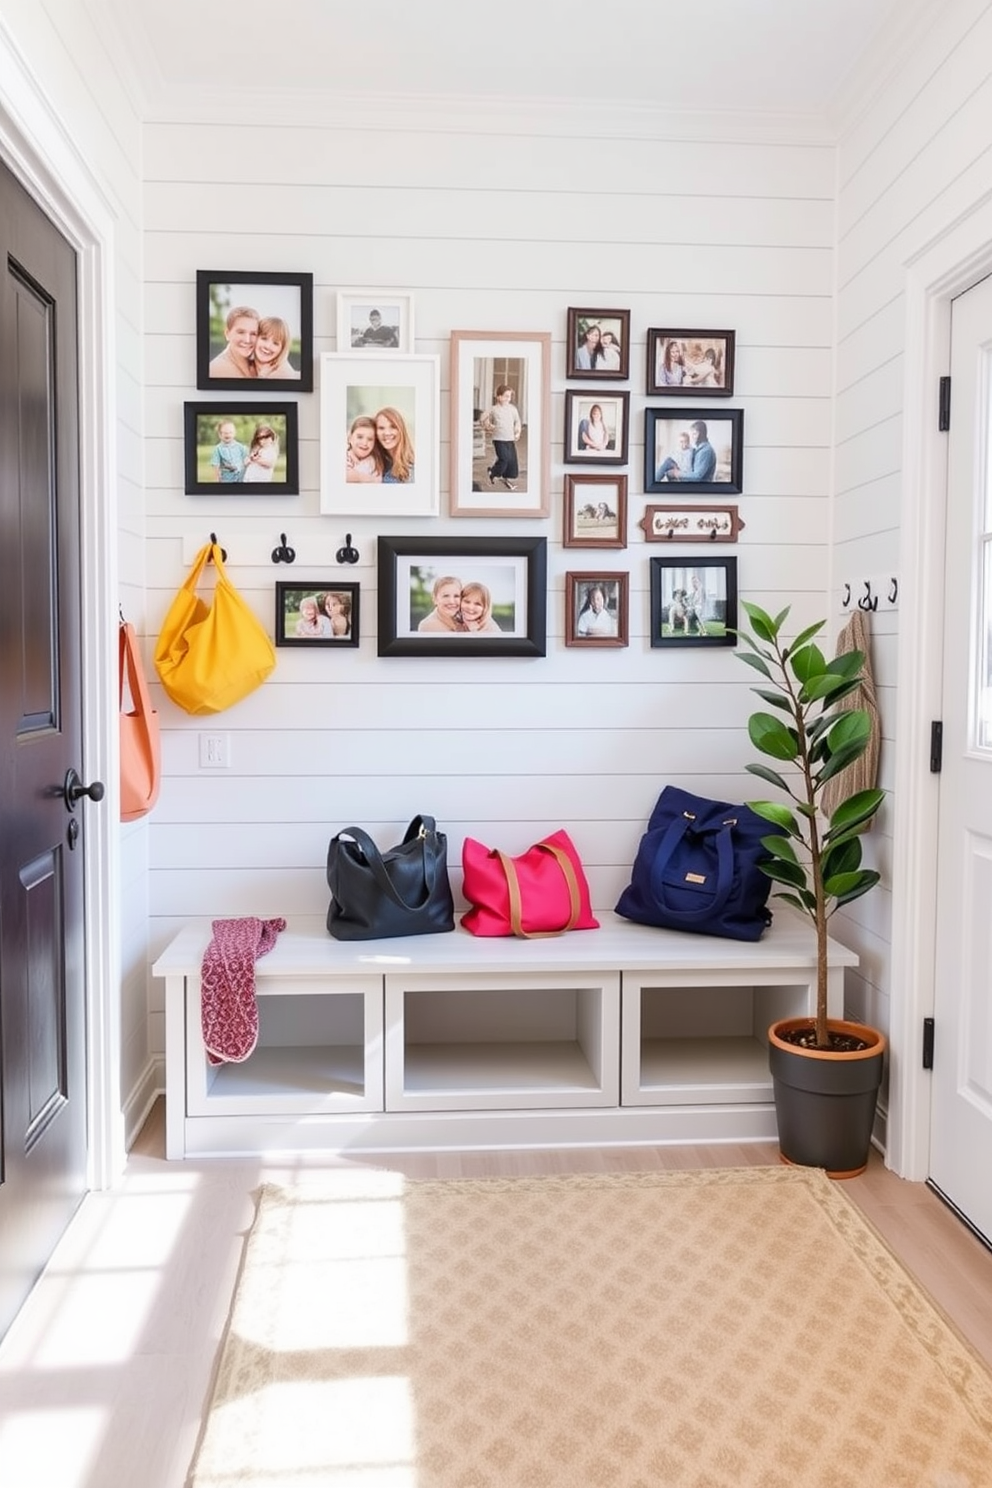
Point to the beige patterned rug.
(727, 1329)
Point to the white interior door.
(961, 1118)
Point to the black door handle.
(73, 790)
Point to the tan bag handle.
(131, 668)
(513, 884)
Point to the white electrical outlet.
(215, 751)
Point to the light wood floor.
(105, 1375)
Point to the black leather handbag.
(404, 891)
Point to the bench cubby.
(619, 1036)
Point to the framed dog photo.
(595, 511)
(254, 329)
(235, 449)
(311, 612)
(596, 609)
(500, 423)
(598, 344)
(694, 451)
(694, 364)
(596, 427)
(445, 596)
(375, 320)
(693, 601)
(379, 434)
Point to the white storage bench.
(616, 1036)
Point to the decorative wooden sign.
(691, 524)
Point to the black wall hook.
(223, 551)
(347, 554)
(282, 554)
(868, 601)
(893, 591)
(846, 600)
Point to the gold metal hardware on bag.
(695, 878)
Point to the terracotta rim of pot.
(873, 1037)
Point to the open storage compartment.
(319, 1049)
(696, 1045)
(492, 1042)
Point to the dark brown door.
(42, 1025)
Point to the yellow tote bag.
(210, 656)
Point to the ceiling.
(806, 58)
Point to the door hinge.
(944, 406)
(928, 1043)
(936, 746)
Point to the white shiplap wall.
(916, 160)
(493, 227)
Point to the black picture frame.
(614, 416)
(669, 445)
(292, 594)
(511, 572)
(675, 619)
(202, 424)
(607, 356)
(690, 363)
(285, 298)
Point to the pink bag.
(542, 892)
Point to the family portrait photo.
(693, 602)
(249, 448)
(500, 398)
(598, 343)
(595, 609)
(375, 320)
(316, 614)
(595, 428)
(257, 328)
(693, 363)
(697, 450)
(445, 597)
(595, 511)
(379, 434)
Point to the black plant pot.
(824, 1102)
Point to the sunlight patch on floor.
(45, 1448)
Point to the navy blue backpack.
(697, 868)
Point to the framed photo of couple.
(241, 449)
(500, 423)
(379, 434)
(445, 596)
(311, 612)
(254, 329)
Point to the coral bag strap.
(513, 884)
(131, 671)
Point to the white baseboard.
(143, 1096)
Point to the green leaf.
(806, 905)
(856, 809)
(841, 857)
(780, 846)
(771, 737)
(867, 879)
(764, 627)
(840, 761)
(848, 664)
(849, 728)
(765, 772)
(807, 634)
(808, 662)
(778, 814)
(759, 664)
(782, 871)
(777, 699)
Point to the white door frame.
(945, 267)
(36, 148)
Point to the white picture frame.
(375, 320)
(386, 389)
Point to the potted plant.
(825, 1072)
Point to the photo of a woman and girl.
(380, 445)
(599, 343)
(252, 330)
(309, 614)
(445, 604)
(379, 434)
(681, 362)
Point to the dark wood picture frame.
(585, 522)
(284, 298)
(291, 594)
(603, 355)
(417, 575)
(690, 364)
(201, 429)
(584, 625)
(693, 601)
(613, 420)
(670, 445)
